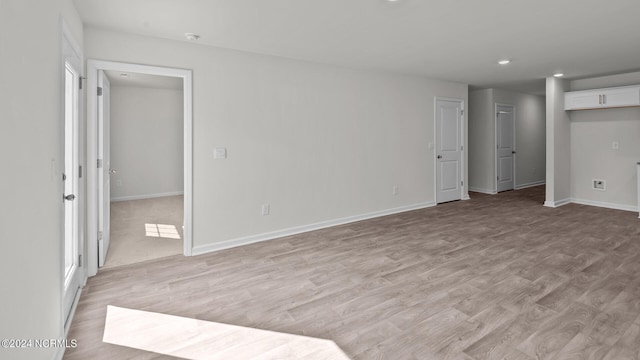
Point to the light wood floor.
(490, 278)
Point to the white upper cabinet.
(629, 96)
(602, 98)
(582, 100)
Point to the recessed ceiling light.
(504, 62)
(124, 75)
(192, 36)
(558, 74)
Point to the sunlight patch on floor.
(198, 339)
(161, 230)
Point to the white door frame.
(495, 145)
(104, 174)
(435, 147)
(92, 149)
(72, 53)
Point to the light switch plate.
(220, 153)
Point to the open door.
(104, 167)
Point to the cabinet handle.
(604, 99)
(599, 99)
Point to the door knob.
(70, 197)
(113, 171)
(439, 156)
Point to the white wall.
(530, 138)
(482, 142)
(317, 142)
(146, 142)
(558, 185)
(632, 78)
(592, 156)
(31, 151)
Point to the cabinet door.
(582, 100)
(622, 97)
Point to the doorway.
(145, 170)
(449, 115)
(99, 204)
(505, 147)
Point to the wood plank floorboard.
(494, 277)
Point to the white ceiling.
(457, 40)
(143, 80)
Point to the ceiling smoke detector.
(191, 36)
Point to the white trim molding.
(227, 244)
(555, 204)
(59, 355)
(483, 191)
(603, 204)
(532, 184)
(147, 196)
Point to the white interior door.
(448, 150)
(104, 167)
(505, 147)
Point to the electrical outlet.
(266, 209)
(598, 184)
(395, 190)
(118, 183)
(615, 145)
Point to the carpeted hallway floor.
(146, 229)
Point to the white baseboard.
(605, 205)
(528, 185)
(483, 191)
(555, 204)
(518, 187)
(203, 249)
(65, 331)
(466, 197)
(148, 196)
